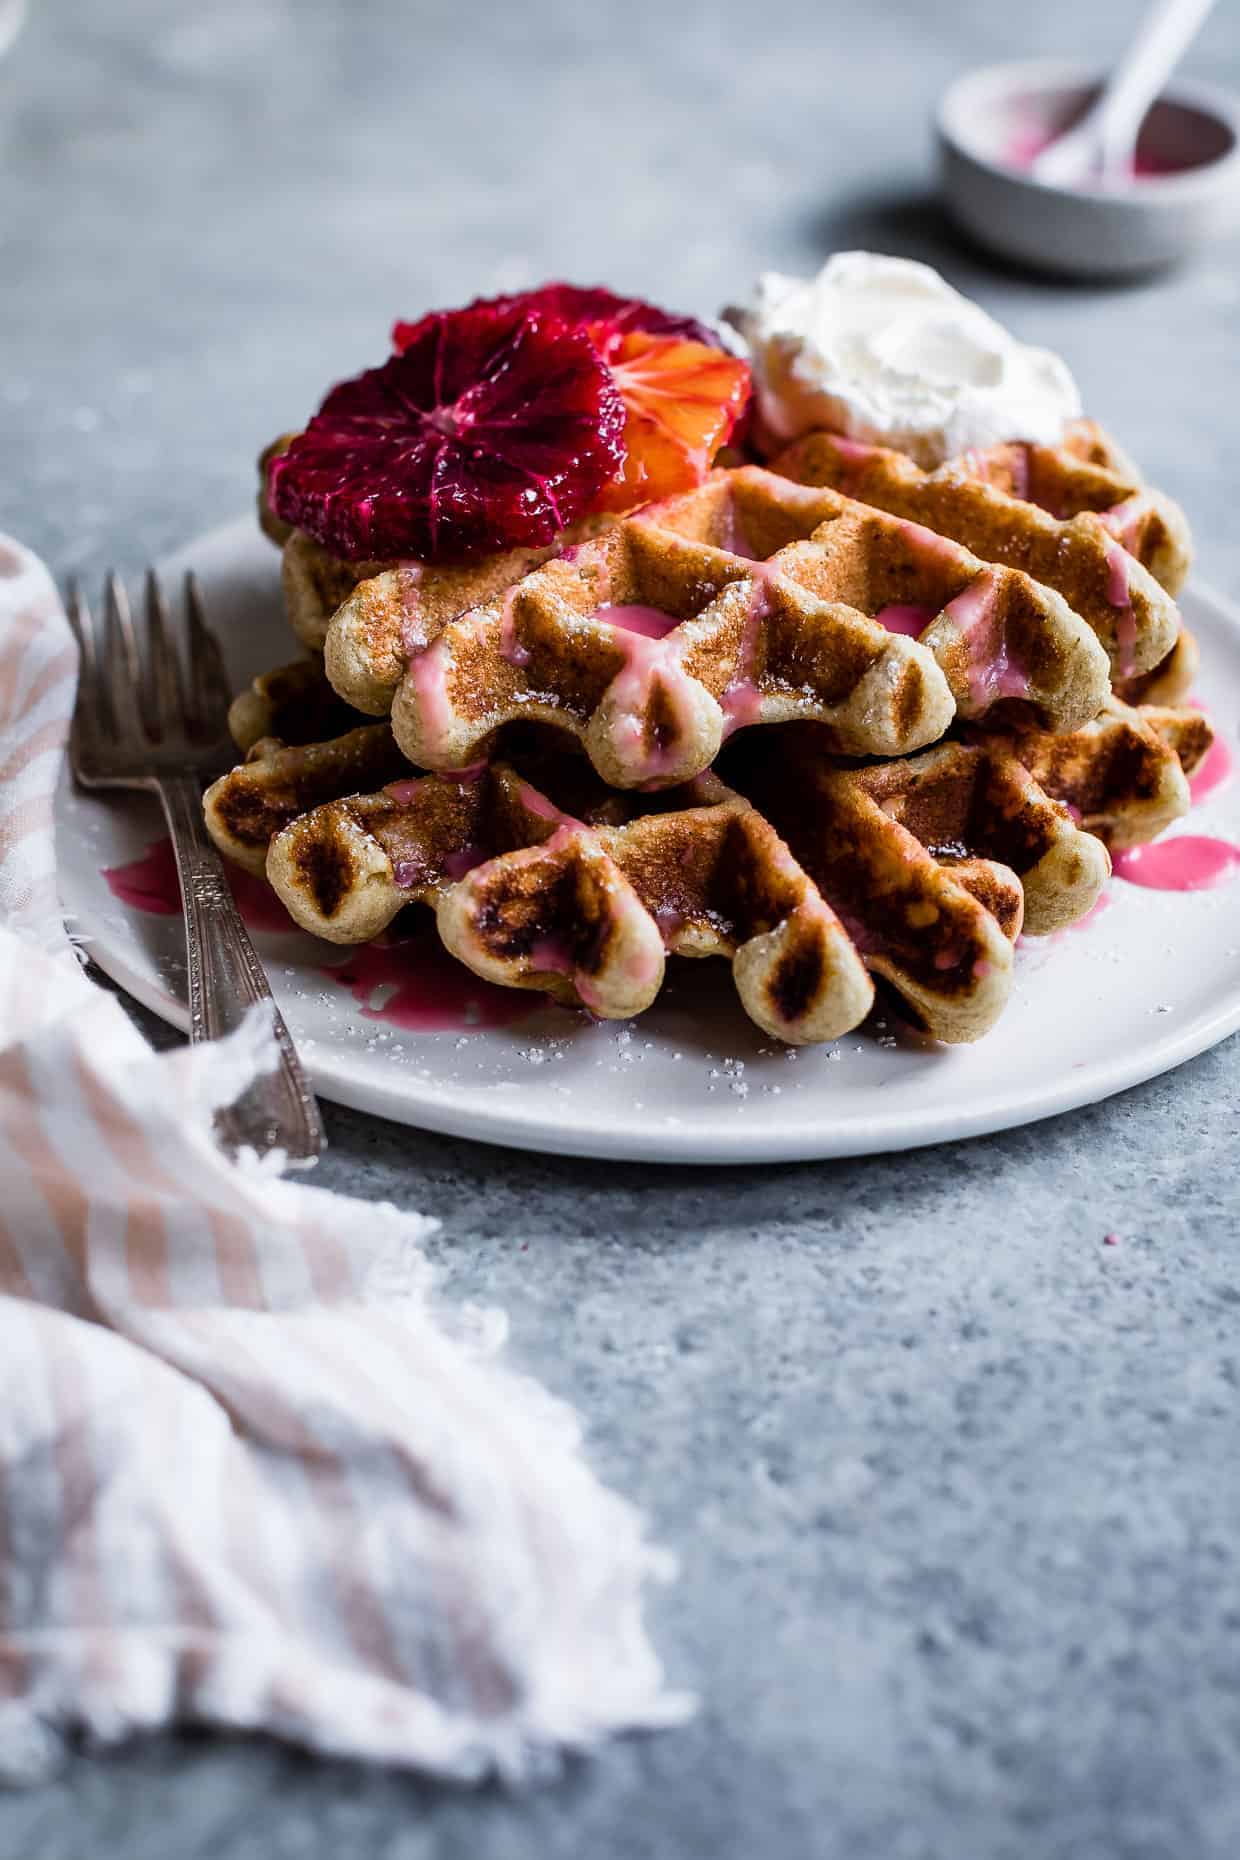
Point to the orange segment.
(682, 400)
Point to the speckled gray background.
(956, 1489)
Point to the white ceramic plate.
(1150, 982)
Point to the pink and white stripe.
(252, 1472)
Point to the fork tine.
(121, 668)
(87, 707)
(79, 617)
(209, 687)
(163, 688)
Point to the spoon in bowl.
(1099, 149)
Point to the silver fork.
(157, 720)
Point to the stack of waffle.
(847, 723)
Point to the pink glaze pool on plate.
(414, 983)
(150, 883)
(1189, 862)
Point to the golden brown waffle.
(294, 702)
(276, 783)
(758, 601)
(1081, 555)
(408, 595)
(1125, 774)
(315, 583)
(932, 862)
(1084, 439)
(532, 897)
(1171, 679)
(926, 856)
(398, 601)
(1089, 473)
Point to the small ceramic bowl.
(1185, 188)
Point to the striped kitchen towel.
(253, 1473)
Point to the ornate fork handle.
(225, 979)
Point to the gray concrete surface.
(956, 1489)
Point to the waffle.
(763, 596)
(294, 703)
(1171, 679)
(1125, 774)
(532, 897)
(315, 583)
(1081, 554)
(550, 902)
(245, 808)
(1089, 473)
(928, 865)
(413, 594)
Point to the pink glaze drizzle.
(1124, 520)
(1190, 862)
(510, 646)
(150, 884)
(630, 693)
(634, 617)
(405, 793)
(855, 451)
(742, 700)
(416, 984)
(905, 617)
(1118, 564)
(412, 627)
(991, 671)
(542, 809)
(428, 674)
(1119, 593)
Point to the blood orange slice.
(491, 430)
(682, 401)
(608, 317)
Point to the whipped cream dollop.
(885, 350)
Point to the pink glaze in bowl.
(1185, 189)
